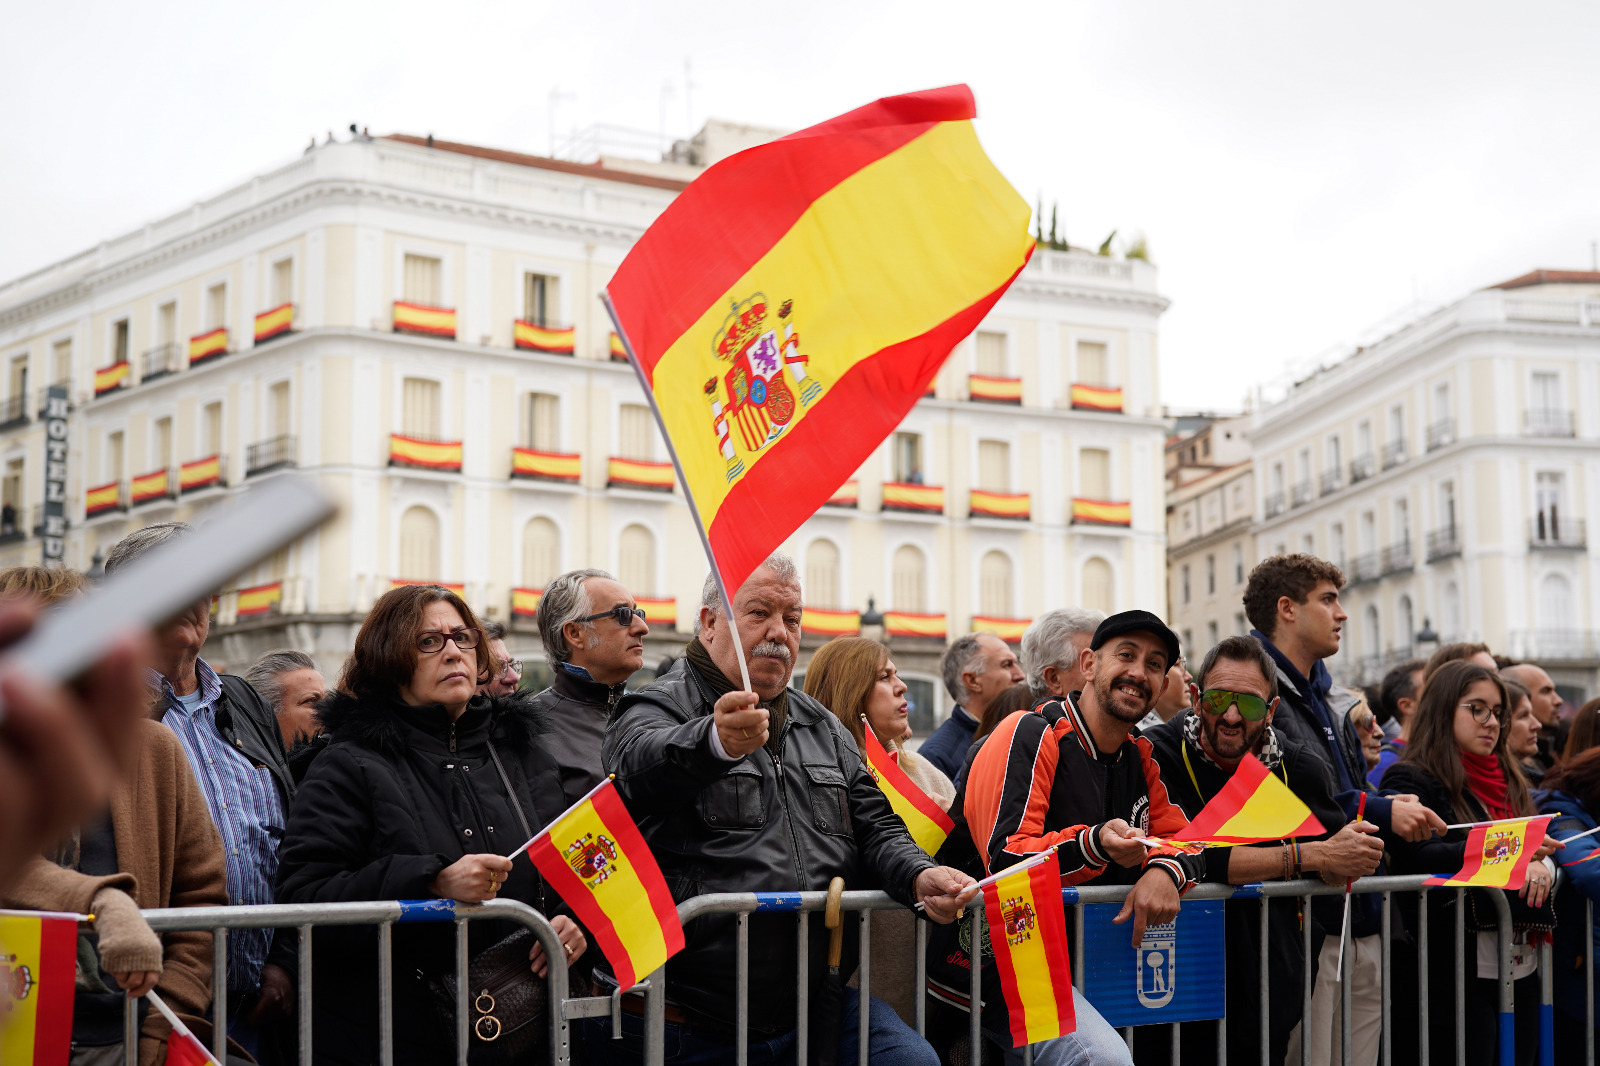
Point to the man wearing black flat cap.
(1069, 775)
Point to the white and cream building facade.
(354, 315)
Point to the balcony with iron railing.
(1555, 645)
(1396, 559)
(270, 454)
(13, 412)
(1441, 433)
(1553, 530)
(1302, 493)
(43, 402)
(1361, 468)
(11, 528)
(1364, 568)
(160, 361)
(1332, 481)
(1274, 505)
(1547, 422)
(1444, 544)
(1394, 453)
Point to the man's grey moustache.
(773, 650)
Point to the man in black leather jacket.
(758, 791)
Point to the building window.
(422, 283)
(1545, 391)
(282, 282)
(1369, 532)
(1331, 454)
(1402, 521)
(19, 376)
(539, 299)
(419, 545)
(167, 323)
(11, 492)
(163, 443)
(1238, 564)
(211, 430)
(1371, 638)
(1241, 625)
(1094, 474)
(419, 412)
(1397, 423)
(1441, 401)
(994, 466)
(119, 342)
(543, 431)
(822, 574)
(636, 433)
(115, 458)
(907, 451)
(1183, 583)
(1097, 586)
(216, 306)
(1549, 490)
(1211, 575)
(1186, 643)
(1093, 364)
(1336, 543)
(990, 359)
(278, 409)
(61, 363)
(909, 578)
(994, 585)
(1308, 544)
(636, 560)
(1447, 505)
(541, 552)
(1555, 605)
(1211, 635)
(1408, 625)
(1363, 439)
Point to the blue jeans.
(1095, 1043)
(890, 1041)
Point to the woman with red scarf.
(1457, 763)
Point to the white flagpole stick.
(1580, 836)
(1026, 864)
(1497, 821)
(587, 796)
(672, 453)
(177, 1025)
(1344, 934)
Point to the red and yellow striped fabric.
(820, 623)
(925, 820)
(907, 624)
(551, 466)
(110, 377)
(904, 496)
(152, 486)
(38, 970)
(1497, 854)
(659, 612)
(416, 318)
(619, 351)
(793, 304)
(994, 390)
(1000, 504)
(207, 345)
(525, 602)
(1253, 807)
(596, 859)
(545, 339)
(260, 600)
(1096, 398)
(200, 473)
(402, 582)
(1009, 630)
(274, 323)
(431, 454)
(1028, 931)
(1101, 512)
(846, 495)
(634, 473)
(102, 498)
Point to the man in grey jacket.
(758, 791)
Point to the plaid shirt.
(245, 805)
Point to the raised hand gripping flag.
(38, 963)
(595, 858)
(796, 300)
(925, 820)
(1497, 855)
(1028, 932)
(1252, 807)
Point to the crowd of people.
(425, 765)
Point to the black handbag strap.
(511, 793)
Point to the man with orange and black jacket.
(1069, 775)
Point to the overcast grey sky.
(1301, 171)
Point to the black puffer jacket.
(575, 713)
(759, 824)
(397, 795)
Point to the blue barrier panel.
(427, 910)
(1176, 975)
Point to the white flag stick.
(1344, 934)
(587, 796)
(177, 1025)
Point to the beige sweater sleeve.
(127, 943)
(44, 886)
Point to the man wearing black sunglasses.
(1233, 701)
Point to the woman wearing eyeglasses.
(423, 788)
(1457, 762)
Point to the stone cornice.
(1065, 292)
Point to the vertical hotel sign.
(54, 523)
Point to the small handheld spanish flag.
(38, 962)
(596, 859)
(1028, 932)
(925, 820)
(1497, 855)
(1252, 807)
(183, 1047)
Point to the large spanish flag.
(795, 301)
(820, 623)
(911, 624)
(925, 820)
(525, 602)
(1028, 932)
(38, 952)
(1497, 855)
(597, 861)
(1252, 807)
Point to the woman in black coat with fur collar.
(406, 802)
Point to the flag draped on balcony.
(1096, 398)
(200, 473)
(206, 345)
(260, 600)
(38, 953)
(274, 323)
(545, 339)
(925, 820)
(430, 321)
(110, 377)
(796, 300)
(432, 454)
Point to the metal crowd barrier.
(384, 915)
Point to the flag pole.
(677, 466)
(176, 1023)
(1344, 928)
